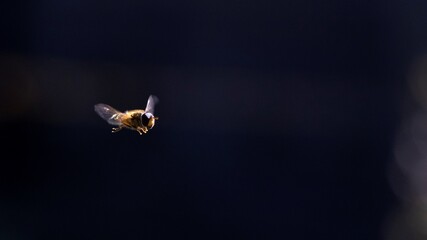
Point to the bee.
(137, 119)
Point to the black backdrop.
(277, 118)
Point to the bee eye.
(145, 119)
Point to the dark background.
(277, 118)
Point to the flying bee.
(138, 119)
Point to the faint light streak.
(408, 171)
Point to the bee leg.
(116, 129)
(141, 130)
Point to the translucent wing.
(108, 113)
(152, 100)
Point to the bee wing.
(152, 100)
(108, 113)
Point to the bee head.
(148, 120)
